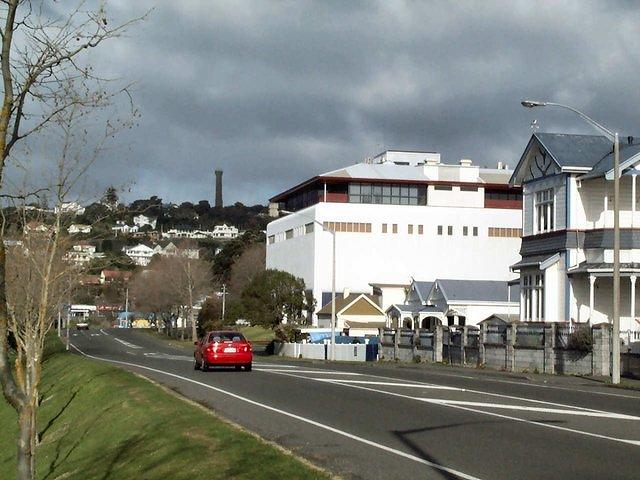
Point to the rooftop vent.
(465, 162)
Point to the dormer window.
(544, 220)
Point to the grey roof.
(423, 289)
(603, 166)
(476, 290)
(532, 261)
(586, 267)
(414, 308)
(571, 150)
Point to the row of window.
(353, 227)
(505, 232)
(389, 194)
(412, 229)
(465, 230)
(544, 218)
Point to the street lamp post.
(615, 367)
(332, 353)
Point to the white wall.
(364, 258)
(454, 197)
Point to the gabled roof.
(344, 303)
(422, 288)
(592, 154)
(455, 291)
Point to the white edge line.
(296, 417)
(105, 333)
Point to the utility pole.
(126, 307)
(68, 320)
(615, 346)
(224, 300)
(59, 322)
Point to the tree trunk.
(26, 427)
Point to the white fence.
(351, 352)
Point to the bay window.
(544, 219)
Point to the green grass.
(257, 333)
(100, 422)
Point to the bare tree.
(45, 85)
(250, 263)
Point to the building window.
(450, 230)
(475, 231)
(544, 211)
(288, 234)
(468, 189)
(410, 229)
(384, 228)
(439, 229)
(420, 229)
(465, 231)
(395, 228)
(505, 232)
(388, 194)
(533, 297)
(308, 228)
(443, 187)
(271, 239)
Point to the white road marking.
(126, 344)
(440, 401)
(348, 435)
(104, 333)
(389, 384)
(167, 356)
(491, 414)
(274, 365)
(319, 372)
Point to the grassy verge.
(253, 334)
(100, 422)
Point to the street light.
(333, 285)
(615, 367)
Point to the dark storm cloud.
(274, 93)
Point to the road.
(384, 421)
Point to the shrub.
(580, 339)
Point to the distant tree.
(110, 197)
(273, 296)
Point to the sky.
(274, 93)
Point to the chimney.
(432, 159)
(465, 162)
(499, 167)
(218, 203)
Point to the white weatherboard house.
(453, 302)
(140, 254)
(566, 271)
(397, 216)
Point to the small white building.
(82, 253)
(173, 250)
(566, 271)
(142, 220)
(356, 314)
(122, 228)
(224, 231)
(453, 302)
(140, 254)
(76, 228)
(69, 207)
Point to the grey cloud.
(276, 92)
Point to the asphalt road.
(384, 421)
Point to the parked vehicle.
(82, 325)
(223, 348)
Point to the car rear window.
(226, 337)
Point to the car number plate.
(230, 350)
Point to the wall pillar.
(481, 339)
(633, 295)
(633, 199)
(463, 344)
(602, 349)
(437, 344)
(396, 341)
(592, 282)
(511, 348)
(549, 348)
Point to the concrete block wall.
(547, 356)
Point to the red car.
(223, 348)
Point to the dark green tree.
(273, 296)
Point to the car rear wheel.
(238, 367)
(204, 366)
(247, 367)
(196, 366)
